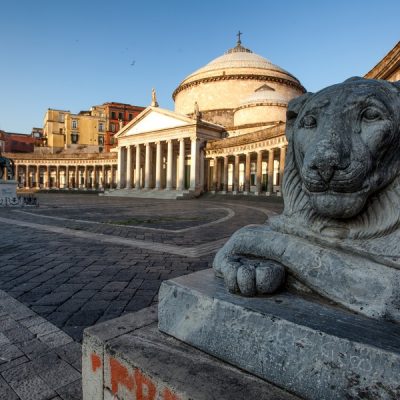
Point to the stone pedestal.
(313, 349)
(129, 358)
(8, 193)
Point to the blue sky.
(74, 54)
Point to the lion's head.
(343, 158)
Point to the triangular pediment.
(154, 119)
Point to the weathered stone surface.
(316, 350)
(339, 233)
(143, 363)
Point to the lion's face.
(346, 143)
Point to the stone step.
(151, 194)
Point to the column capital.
(181, 139)
(194, 138)
(169, 141)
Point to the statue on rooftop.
(154, 102)
(339, 234)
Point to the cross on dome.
(239, 42)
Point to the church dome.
(226, 82)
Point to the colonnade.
(60, 176)
(261, 171)
(162, 165)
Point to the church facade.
(226, 133)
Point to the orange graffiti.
(120, 376)
(145, 388)
(96, 362)
(168, 395)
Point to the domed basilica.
(226, 133)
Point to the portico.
(249, 163)
(163, 150)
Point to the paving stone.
(55, 339)
(20, 334)
(6, 392)
(13, 363)
(9, 352)
(43, 329)
(55, 371)
(73, 391)
(34, 348)
(33, 389)
(7, 324)
(71, 353)
(31, 321)
(54, 299)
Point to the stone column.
(112, 172)
(158, 164)
(215, 175)
(85, 177)
(225, 178)
(281, 167)
(47, 186)
(96, 173)
(137, 170)
(103, 173)
(201, 162)
(120, 168)
(76, 176)
(57, 177)
(247, 170)
(270, 186)
(169, 164)
(236, 174)
(181, 164)
(37, 176)
(27, 177)
(128, 167)
(147, 167)
(67, 177)
(259, 172)
(194, 163)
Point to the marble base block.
(8, 189)
(315, 350)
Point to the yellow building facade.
(68, 132)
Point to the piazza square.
(238, 242)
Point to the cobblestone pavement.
(81, 259)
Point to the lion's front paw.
(250, 277)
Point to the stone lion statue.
(339, 233)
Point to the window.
(61, 131)
(101, 127)
(130, 117)
(101, 140)
(112, 140)
(113, 116)
(120, 116)
(112, 127)
(74, 124)
(60, 117)
(74, 138)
